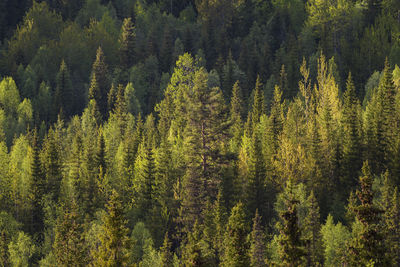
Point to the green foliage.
(368, 245)
(335, 238)
(114, 243)
(87, 75)
(21, 250)
(257, 243)
(69, 247)
(291, 243)
(127, 43)
(235, 240)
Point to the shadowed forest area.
(199, 133)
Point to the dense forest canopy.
(199, 133)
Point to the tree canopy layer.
(199, 133)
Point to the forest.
(199, 133)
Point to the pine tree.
(114, 243)
(235, 241)
(127, 44)
(368, 246)
(291, 244)
(100, 82)
(351, 137)
(64, 97)
(205, 134)
(257, 243)
(69, 248)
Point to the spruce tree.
(100, 82)
(284, 84)
(166, 50)
(113, 240)
(145, 172)
(235, 242)
(276, 118)
(127, 44)
(255, 186)
(100, 156)
(51, 162)
(257, 243)
(111, 98)
(258, 107)
(388, 93)
(166, 254)
(291, 244)
(392, 225)
(69, 247)
(64, 97)
(312, 233)
(38, 186)
(236, 113)
(368, 246)
(351, 137)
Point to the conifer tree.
(257, 243)
(166, 49)
(284, 84)
(164, 181)
(192, 254)
(52, 163)
(368, 246)
(291, 244)
(205, 135)
(127, 44)
(236, 113)
(38, 186)
(145, 171)
(100, 156)
(351, 136)
(100, 82)
(392, 225)
(276, 117)
(258, 107)
(312, 233)
(114, 243)
(111, 98)
(166, 254)
(255, 186)
(235, 241)
(69, 248)
(64, 97)
(388, 93)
